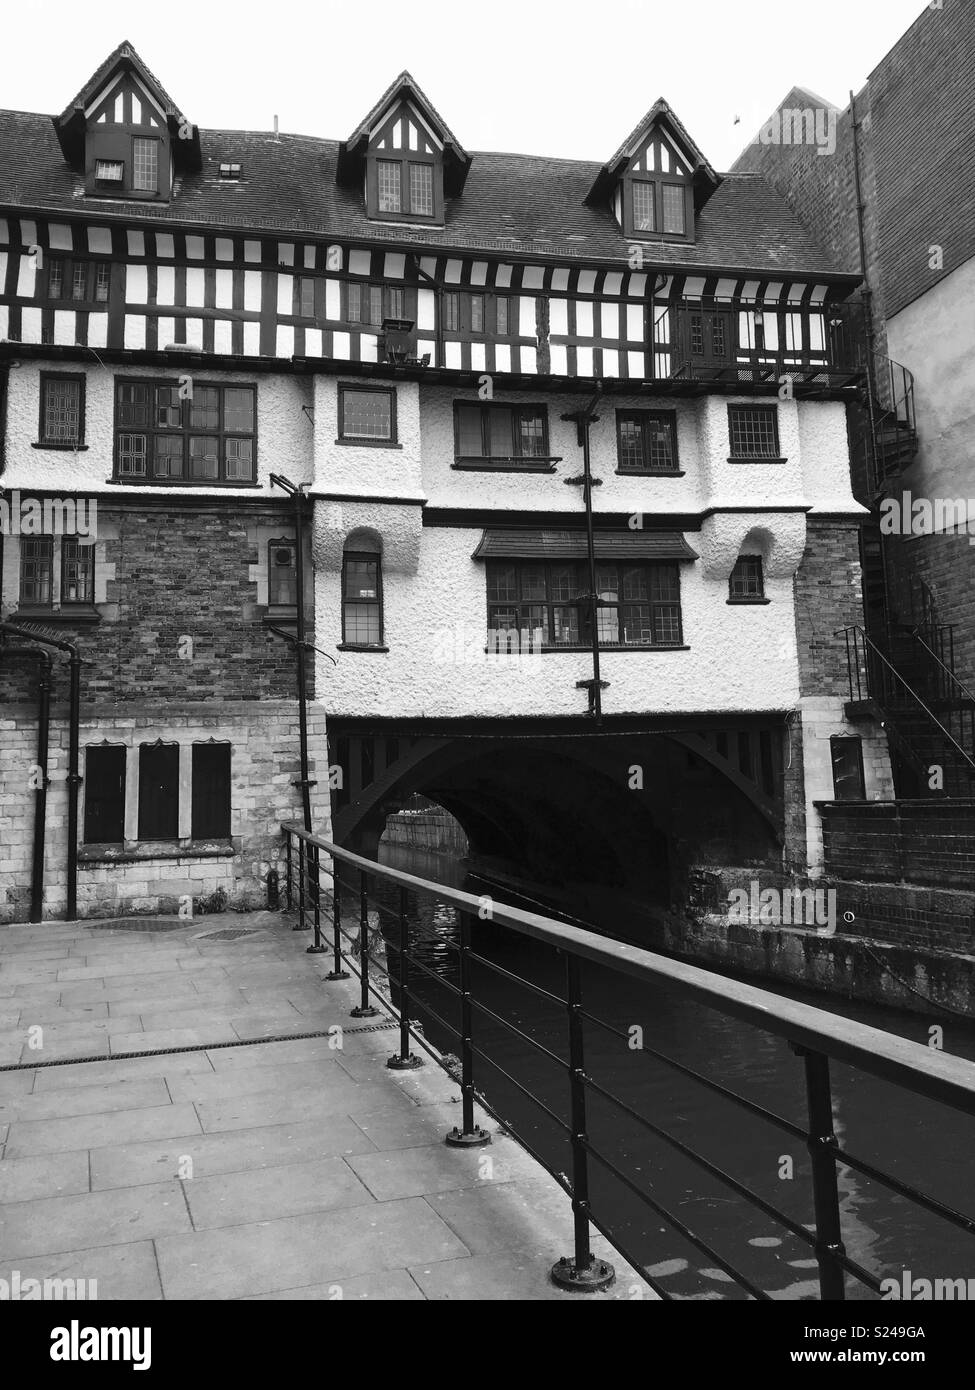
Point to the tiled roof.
(104, 71)
(406, 83)
(522, 203)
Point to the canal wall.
(878, 947)
(439, 834)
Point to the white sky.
(566, 79)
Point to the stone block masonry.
(136, 878)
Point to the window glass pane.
(607, 582)
(563, 582)
(168, 456)
(362, 579)
(660, 442)
(238, 410)
(62, 410)
(205, 408)
(133, 401)
(637, 627)
(282, 574)
(667, 624)
(169, 409)
(306, 298)
(36, 567)
(566, 627)
(421, 189)
(55, 279)
(79, 282)
(451, 312)
(502, 583)
(132, 455)
(664, 583)
(499, 432)
(394, 303)
(102, 281)
(746, 577)
(388, 177)
(643, 207)
(204, 456)
(367, 415)
(607, 625)
(753, 431)
(77, 572)
(673, 208)
(354, 302)
(145, 165)
(847, 759)
(502, 315)
(240, 460)
(636, 584)
(108, 170)
(532, 582)
(477, 313)
(631, 443)
(469, 442)
(362, 624)
(531, 434)
(375, 302)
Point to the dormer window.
(109, 170)
(145, 165)
(657, 195)
(229, 171)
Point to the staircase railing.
(872, 677)
(954, 695)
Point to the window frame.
(464, 326)
(282, 543)
(368, 557)
(144, 805)
(848, 739)
(197, 833)
(35, 605)
(69, 266)
(147, 140)
(647, 469)
(405, 158)
(656, 183)
(582, 602)
(43, 440)
(185, 432)
(76, 603)
(745, 598)
(87, 781)
(387, 309)
(767, 411)
(367, 441)
(512, 463)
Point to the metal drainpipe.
(74, 750)
(584, 419)
(40, 792)
(300, 653)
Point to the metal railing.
(872, 676)
(816, 1036)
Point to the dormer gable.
(126, 133)
(656, 181)
(405, 157)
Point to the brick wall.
(179, 573)
(828, 594)
(922, 842)
(946, 563)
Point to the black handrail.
(814, 1034)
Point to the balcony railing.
(737, 341)
(815, 1036)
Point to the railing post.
(826, 1199)
(471, 1134)
(583, 1272)
(287, 890)
(316, 948)
(404, 1060)
(364, 1009)
(336, 972)
(300, 925)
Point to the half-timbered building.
(569, 444)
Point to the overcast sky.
(566, 79)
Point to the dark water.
(919, 1142)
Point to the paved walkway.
(289, 1169)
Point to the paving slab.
(50, 1224)
(523, 1278)
(265, 1194)
(325, 1246)
(104, 1073)
(98, 1130)
(204, 1155)
(118, 1272)
(86, 1100)
(43, 1175)
(328, 1097)
(388, 1286)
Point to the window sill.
(603, 650)
(288, 617)
(352, 647)
(651, 473)
(369, 443)
(132, 851)
(747, 602)
(476, 465)
(51, 617)
(214, 483)
(61, 446)
(750, 458)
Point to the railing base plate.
(457, 1139)
(316, 950)
(567, 1275)
(367, 1012)
(410, 1063)
(337, 975)
(301, 927)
